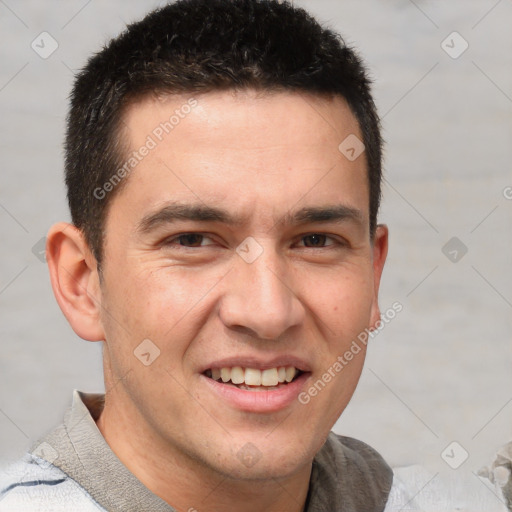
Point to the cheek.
(343, 303)
(167, 305)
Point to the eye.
(190, 240)
(317, 240)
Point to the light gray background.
(441, 371)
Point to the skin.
(261, 157)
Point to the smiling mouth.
(253, 379)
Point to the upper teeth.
(255, 377)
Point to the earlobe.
(380, 252)
(75, 280)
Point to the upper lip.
(259, 363)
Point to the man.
(223, 165)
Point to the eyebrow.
(201, 213)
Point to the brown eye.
(315, 240)
(190, 240)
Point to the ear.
(75, 280)
(380, 251)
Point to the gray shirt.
(75, 465)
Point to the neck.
(189, 485)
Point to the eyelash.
(171, 241)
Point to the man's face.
(240, 241)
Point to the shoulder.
(369, 474)
(401, 498)
(349, 475)
(363, 461)
(429, 489)
(32, 481)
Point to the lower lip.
(272, 400)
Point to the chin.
(262, 459)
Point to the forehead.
(251, 112)
(250, 148)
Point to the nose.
(258, 298)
